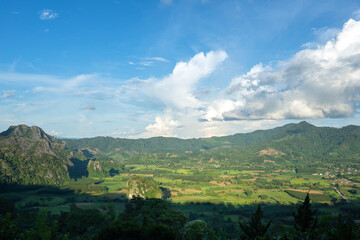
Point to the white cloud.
(186, 124)
(48, 14)
(8, 94)
(177, 89)
(315, 83)
(146, 63)
(160, 59)
(164, 126)
(71, 85)
(322, 35)
(53, 132)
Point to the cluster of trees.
(156, 219)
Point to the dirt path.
(307, 191)
(338, 192)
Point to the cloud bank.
(315, 83)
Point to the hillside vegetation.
(262, 166)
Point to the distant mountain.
(298, 135)
(23, 131)
(29, 155)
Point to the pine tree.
(255, 229)
(305, 220)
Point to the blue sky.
(183, 68)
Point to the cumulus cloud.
(315, 83)
(177, 93)
(163, 126)
(48, 14)
(177, 89)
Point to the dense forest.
(156, 219)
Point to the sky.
(178, 68)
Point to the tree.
(305, 220)
(9, 229)
(43, 229)
(345, 229)
(255, 229)
(197, 230)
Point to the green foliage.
(197, 230)
(121, 230)
(298, 141)
(305, 220)
(43, 229)
(79, 222)
(344, 229)
(255, 229)
(151, 211)
(9, 228)
(128, 230)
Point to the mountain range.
(30, 156)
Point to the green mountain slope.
(29, 156)
(301, 138)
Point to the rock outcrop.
(143, 187)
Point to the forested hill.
(303, 134)
(29, 155)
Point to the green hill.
(302, 139)
(29, 156)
